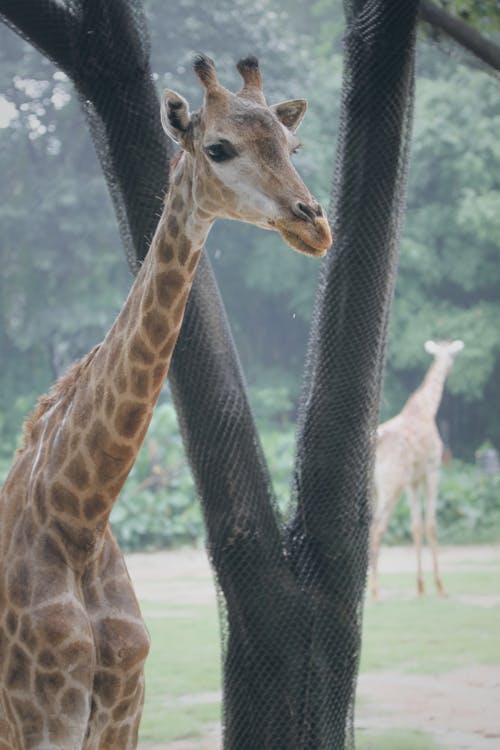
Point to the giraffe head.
(445, 351)
(240, 151)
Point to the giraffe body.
(72, 640)
(408, 460)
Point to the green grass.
(422, 635)
(395, 741)
(431, 634)
(468, 582)
(184, 660)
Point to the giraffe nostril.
(307, 212)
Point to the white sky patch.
(60, 97)
(8, 112)
(33, 88)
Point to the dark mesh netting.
(291, 596)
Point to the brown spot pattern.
(158, 375)
(194, 260)
(139, 351)
(121, 710)
(107, 686)
(94, 506)
(122, 643)
(12, 622)
(130, 417)
(169, 347)
(156, 327)
(46, 659)
(173, 226)
(47, 686)
(97, 439)
(123, 736)
(166, 252)
(18, 671)
(64, 501)
(59, 448)
(149, 298)
(79, 542)
(109, 406)
(184, 248)
(139, 382)
(31, 720)
(73, 703)
(77, 473)
(30, 527)
(178, 311)
(98, 396)
(27, 633)
(19, 585)
(177, 203)
(168, 286)
(121, 379)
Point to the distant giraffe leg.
(378, 529)
(431, 489)
(417, 531)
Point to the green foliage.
(468, 508)
(158, 505)
(483, 15)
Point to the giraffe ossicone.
(408, 460)
(72, 639)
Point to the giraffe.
(72, 640)
(408, 459)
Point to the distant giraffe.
(408, 459)
(72, 640)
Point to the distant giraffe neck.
(429, 394)
(93, 431)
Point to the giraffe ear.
(175, 116)
(456, 346)
(431, 347)
(290, 113)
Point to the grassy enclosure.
(406, 639)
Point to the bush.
(158, 506)
(468, 508)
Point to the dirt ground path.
(460, 708)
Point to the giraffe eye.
(221, 151)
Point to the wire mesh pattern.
(291, 594)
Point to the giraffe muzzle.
(308, 231)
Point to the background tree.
(62, 278)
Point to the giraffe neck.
(92, 432)
(427, 397)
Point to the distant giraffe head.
(240, 149)
(445, 351)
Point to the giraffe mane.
(63, 388)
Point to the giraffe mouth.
(311, 239)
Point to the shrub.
(468, 508)
(158, 506)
